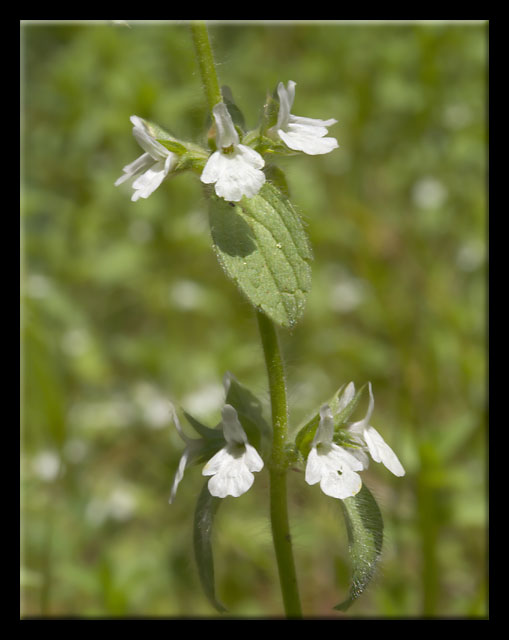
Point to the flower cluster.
(235, 169)
(234, 459)
(334, 466)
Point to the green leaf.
(364, 526)
(235, 113)
(206, 509)
(278, 178)
(205, 432)
(210, 442)
(173, 145)
(249, 409)
(261, 244)
(165, 138)
(306, 434)
(157, 131)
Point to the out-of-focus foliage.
(125, 307)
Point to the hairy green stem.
(206, 63)
(278, 468)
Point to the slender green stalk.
(206, 63)
(277, 385)
(278, 497)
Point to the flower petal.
(232, 429)
(231, 484)
(235, 174)
(338, 458)
(231, 475)
(146, 141)
(228, 187)
(139, 165)
(219, 460)
(313, 130)
(307, 143)
(212, 169)
(381, 452)
(313, 122)
(314, 468)
(179, 474)
(148, 182)
(226, 132)
(335, 469)
(251, 157)
(361, 456)
(361, 425)
(344, 485)
(346, 397)
(325, 430)
(253, 459)
(286, 98)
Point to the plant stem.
(278, 498)
(206, 63)
(277, 385)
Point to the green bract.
(261, 244)
(204, 513)
(365, 528)
(249, 409)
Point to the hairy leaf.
(249, 410)
(205, 432)
(261, 244)
(236, 114)
(205, 511)
(365, 535)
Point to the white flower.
(232, 466)
(234, 168)
(331, 465)
(298, 133)
(152, 167)
(369, 437)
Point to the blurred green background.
(125, 307)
